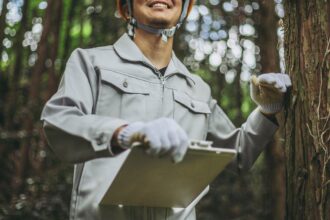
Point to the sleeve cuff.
(102, 141)
(261, 124)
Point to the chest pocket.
(122, 96)
(191, 114)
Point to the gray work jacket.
(106, 87)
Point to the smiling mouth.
(159, 5)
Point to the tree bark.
(274, 172)
(307, 45)
(267, 37)
(55, 36)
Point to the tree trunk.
(238, 99)
(67, 37)
(267, 37)
(31, 111)
(3, 24)
(15, 77)
(307, 129)
(55, 36)
(273, 171)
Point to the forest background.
(223, 41)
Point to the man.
(137, 90)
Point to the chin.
(160, 23)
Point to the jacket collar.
(128, 50)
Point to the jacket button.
(100, 140)
(125, 84)
(192, 105)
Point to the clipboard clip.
(200, 144)
(193, 144)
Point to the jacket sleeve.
(73, 132)
(249, 140)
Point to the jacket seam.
(189, 95)
(77, 191)
(116, 71)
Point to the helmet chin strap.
(164, 33)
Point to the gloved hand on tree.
(267, 91)
(160, 137)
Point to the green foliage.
(75, 30)
(66, 24)
(247, 104)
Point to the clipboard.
(158, 182)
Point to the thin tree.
(273, 169)
(3, 24)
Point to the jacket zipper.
(163, 80)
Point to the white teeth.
(159, 5)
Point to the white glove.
(161, 136)
(267, 91)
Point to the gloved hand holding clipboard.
(158, 182)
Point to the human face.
(157, 13)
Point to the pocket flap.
(124, 83)
(191, 104)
